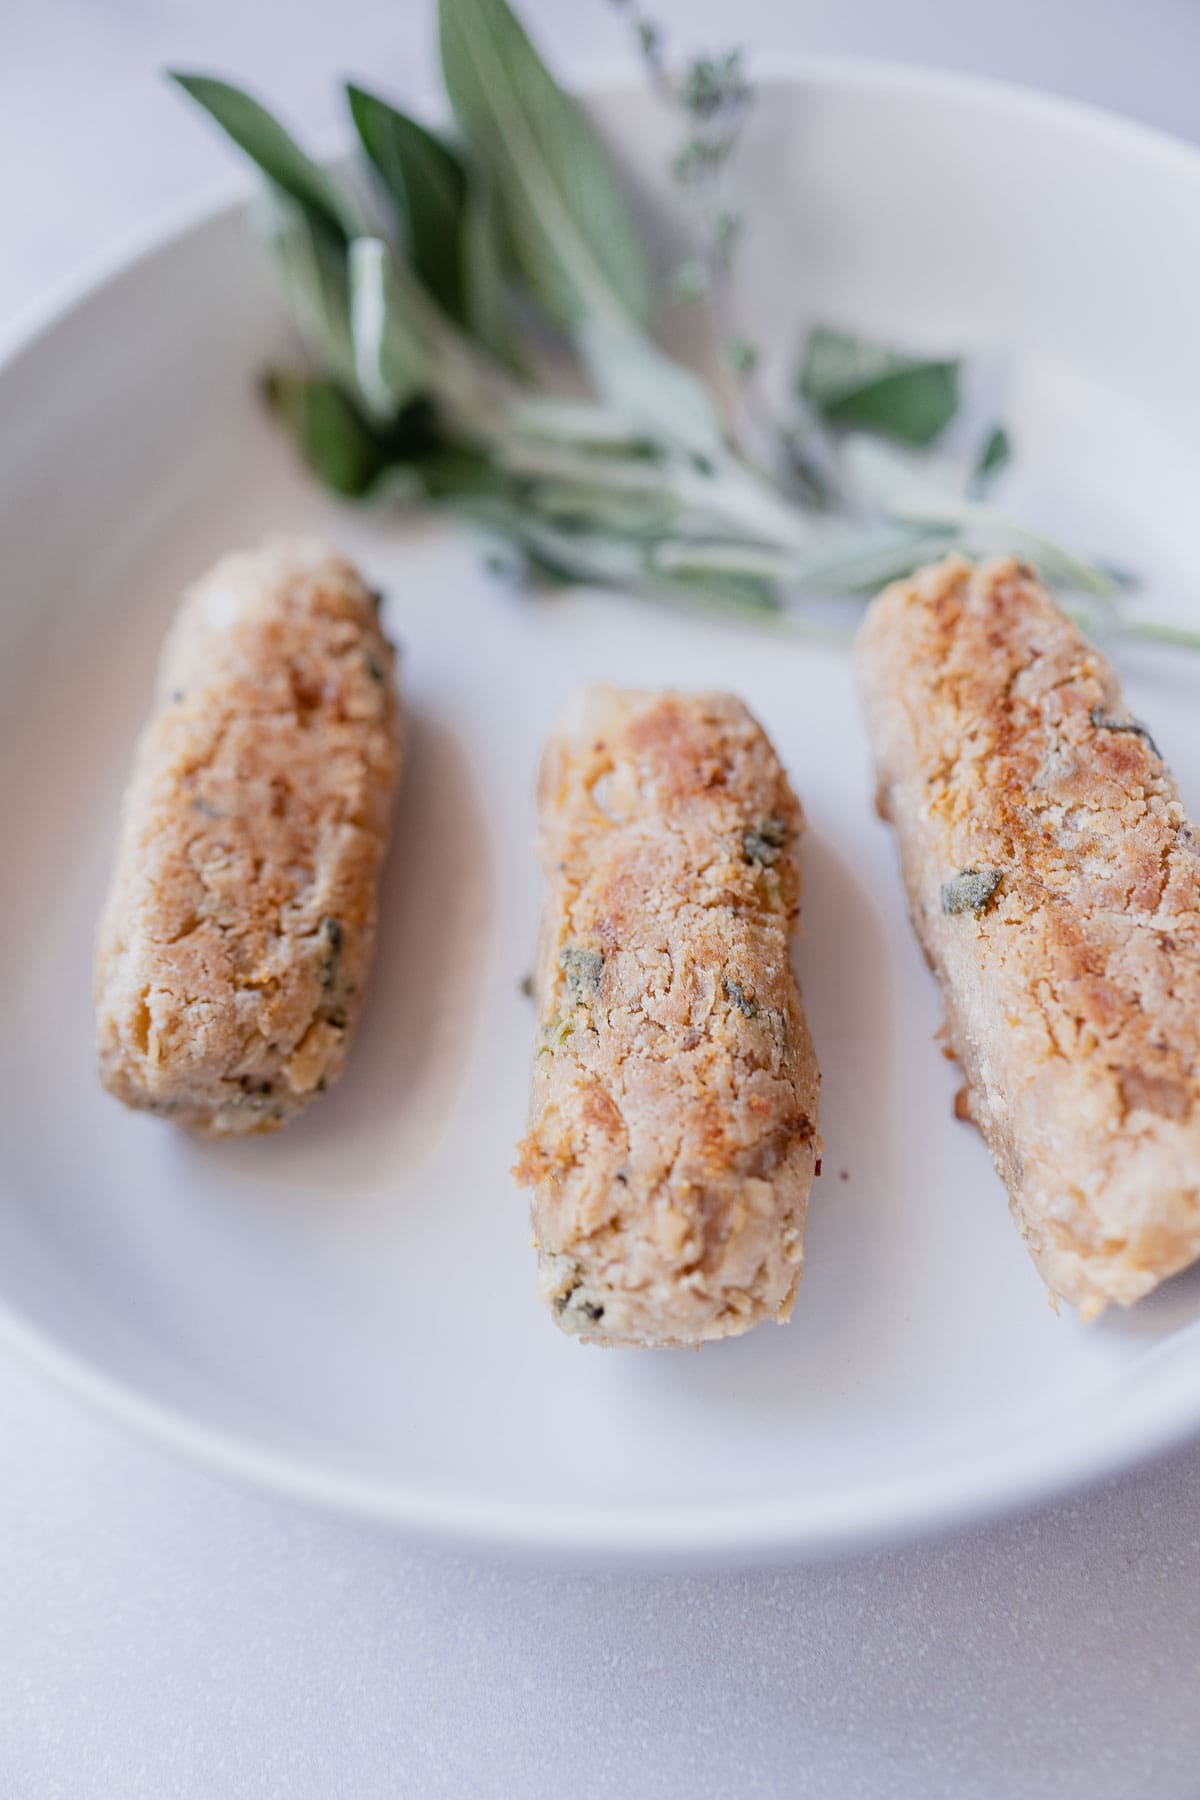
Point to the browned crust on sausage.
(672, 1137)
(1073, 993)
(233, 951)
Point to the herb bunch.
(429, 298)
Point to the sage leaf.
(574, 244)
(857, 561)
(554, 459)
(427, 185)
(312, 270)
(554, 418)
(393, 356)
(455, 476)
(634, 376)
(584, 555)
(737, 583)
(573, 503)
(559, 552)
(275, 151)
(405, 345)
(335, 442)
(852, 380)
(447, 219)
(486, 303)
(899, 483)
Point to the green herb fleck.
(764, 843)
(970, 890)
(554, 1035)
(590, 1309)
(582, 968)
(737, 996)
(331, 937)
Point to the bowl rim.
(1050, 1461)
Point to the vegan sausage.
(233, 950)
(672, 1140)
(1054, 882)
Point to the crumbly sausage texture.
(233, 950)
(672, 1139)
(1054, 881)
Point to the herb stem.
(751, 501)
(728, 492)
(1148, 631)
(973, 514)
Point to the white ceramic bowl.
(347, 1312)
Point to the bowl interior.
(348, 1310)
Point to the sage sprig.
(427, 300)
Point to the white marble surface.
(163, 1634)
